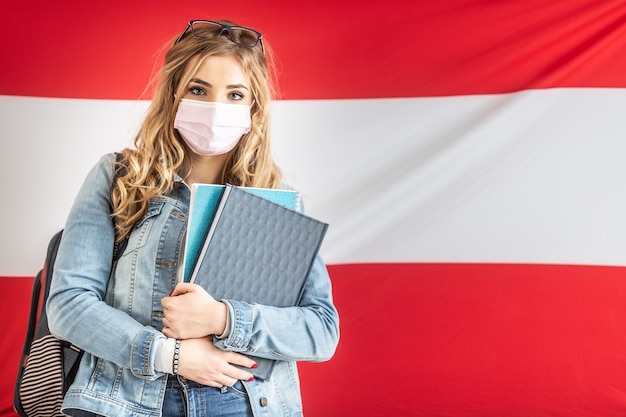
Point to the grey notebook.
(259, 252)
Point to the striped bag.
(48, 365)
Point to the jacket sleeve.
(76, 308)
(309, 331)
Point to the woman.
(153, 345)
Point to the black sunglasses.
(240, 35)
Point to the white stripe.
(530, 177)
(48, 146)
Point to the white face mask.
(211, 128)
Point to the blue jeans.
(190, 399)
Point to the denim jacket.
(114, 312)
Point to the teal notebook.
(204, 201)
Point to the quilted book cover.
(258, 251)
(204, 201)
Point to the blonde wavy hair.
(150, 169)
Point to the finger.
(170, 330)
(182, 288)
(227, 381)
(241, 360)
(239, 371)
(167, 325)
(173, 333)
(217, 381)
(238, 374)
(210, 383)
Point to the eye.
(197, 91)
(235, 96)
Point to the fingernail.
(254, 366)
(251, 379)
(172, 292)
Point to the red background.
(417, 339)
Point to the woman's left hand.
(191, 312)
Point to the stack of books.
(250, 244)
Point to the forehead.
(218, 69)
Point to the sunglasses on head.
(240, 35)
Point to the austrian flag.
(469, 157)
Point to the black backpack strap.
(37, 320)
(119, 171)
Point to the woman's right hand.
(202, 362)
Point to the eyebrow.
(199, 81)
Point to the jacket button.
(263, 402)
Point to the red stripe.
(451, 339)
(474, 340)
(327, 49)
